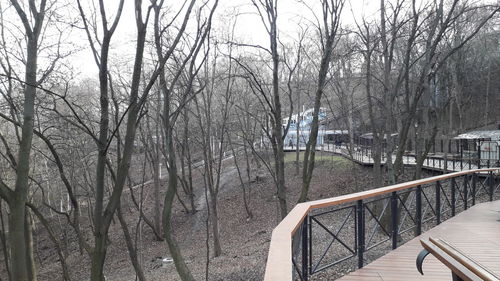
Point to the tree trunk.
(30, 258)
(3, 240)
(280, 175)
(487, 98)
(97, 258)
(156, 192)
(297, 126)
(180, 265)
(377, 161)
(17, 228)
(132, 250)
(329, 35)
(277, 129)
(215, 225)
(351, 129)
(175, 252)
(240, 177)
(53, 237)
(18, 242)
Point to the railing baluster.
(418, 207)
(453, 197)
(394, 219)
(438, 202)
(491, 184)
(466, 193)
(360, 229)
(305, 250)
(474, 180)
(309, 228)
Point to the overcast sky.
(249, 26)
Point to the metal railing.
(321, 234)
(363, 154)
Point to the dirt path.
(226, 184)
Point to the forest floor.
(244, 241)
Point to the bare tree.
(22, 263)
(327, 31)
(270, 97)
(189, 68)
(433, 59)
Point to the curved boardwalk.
(476, 232)
(434, 162)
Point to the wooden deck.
(476, 232)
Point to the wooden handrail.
(279, 260)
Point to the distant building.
(487, 143)
(304, 121)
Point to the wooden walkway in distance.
(432, 162)
(476, 232)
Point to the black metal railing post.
(491, 185)
(305, 250)
(310, 255)
(453, 197)
(474, 181)
(418, 208)
(394, 219)
(360, 231)
(438, 202)
(466, 193)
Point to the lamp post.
(416, 140)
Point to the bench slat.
(465, 260)
(459, 263)
(456, 267)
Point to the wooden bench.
(463, 268)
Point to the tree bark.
(21, 270)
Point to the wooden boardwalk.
(432, 162)
(476, 232)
